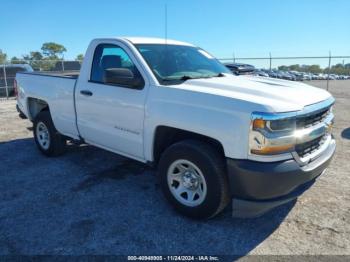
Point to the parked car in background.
(241, 69)
(298, 76)
(314, 76)
(287, 76)
(8, 77)
(306, 76)
(281, 75)
(259, 72)
(321, 76)
(273, 74)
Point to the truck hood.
(275, 94)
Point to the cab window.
(112, 58)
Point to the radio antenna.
(166, 23)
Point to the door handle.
(86, 92)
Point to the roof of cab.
(152, 40)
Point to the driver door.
(110, 115)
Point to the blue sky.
(223, 27)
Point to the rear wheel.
(193, 178)
(49, 141)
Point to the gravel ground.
(90, 201)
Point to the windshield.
(173, 64)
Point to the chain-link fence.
(301, 68)
(329, 68)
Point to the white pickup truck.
(214, 136)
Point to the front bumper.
(257, 187)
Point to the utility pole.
(62, 61)
(329, 68)
(5, 78)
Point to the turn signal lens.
(273, 150)
(259, 124)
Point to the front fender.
(220, 118)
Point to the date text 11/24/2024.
(173, 258)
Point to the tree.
(283, 68)
(53, 50)
(35, 59)
(79, 57)
(3, 57)
(315, 69)
(339, 69)
(294, 67)
(33, 56)
(16, 60)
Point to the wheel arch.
(35, 106)
(165, 136)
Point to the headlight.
(271, 135)
(302, 134)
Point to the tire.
(202, 200)
(43, 127)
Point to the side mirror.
(123, 77)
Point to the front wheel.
(49, 141)
(193, 178)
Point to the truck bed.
(57, 89)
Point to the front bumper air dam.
(258, 187)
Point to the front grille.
(309, 120)
(310, 147)
(313, 119)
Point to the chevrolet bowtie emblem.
(329, 127)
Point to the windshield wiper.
(187, 77)
(219, 75)
(182, 78)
